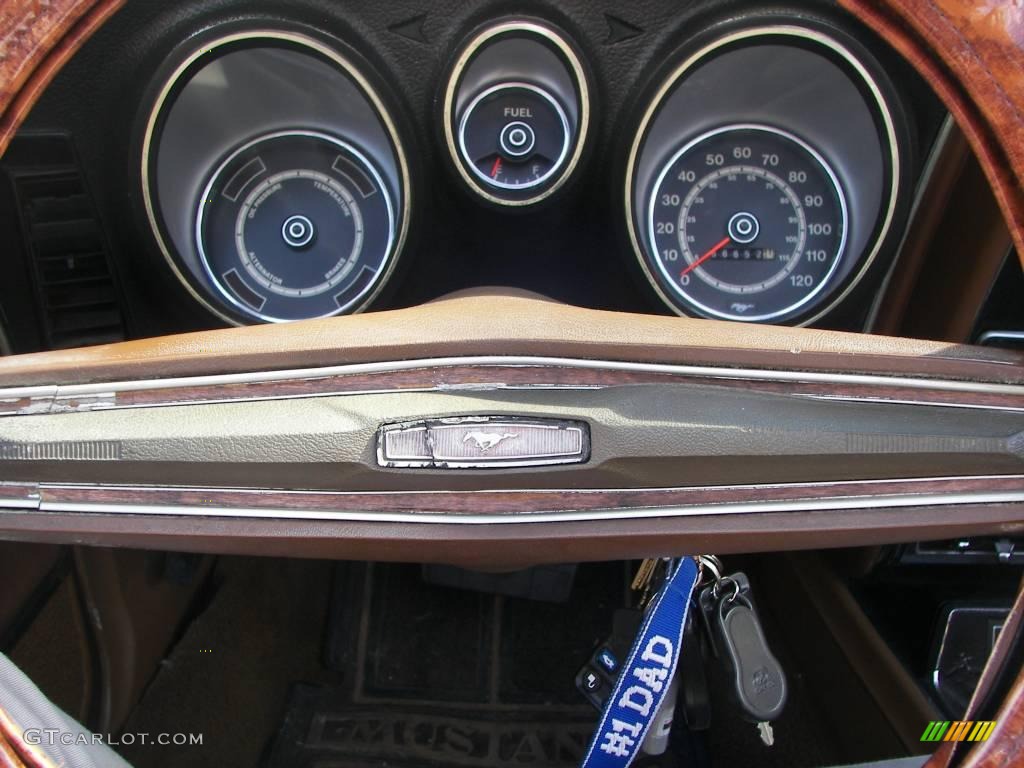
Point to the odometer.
(746, 222)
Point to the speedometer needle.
(711, 252)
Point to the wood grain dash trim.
(537, 505)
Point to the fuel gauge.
(514, 136)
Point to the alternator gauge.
(294, 225)
(746, 222)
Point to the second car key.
(758, 681)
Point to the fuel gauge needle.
(496, 167)
(711, 252)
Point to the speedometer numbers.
(746, 222)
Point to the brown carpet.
(228, 678)
(231, 676)
(53, 651)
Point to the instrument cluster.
(275, 180)
(758, 171)
(516, 112)
(765, 175)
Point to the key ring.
(712, 564)
(727, 580)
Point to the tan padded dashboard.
(500, 324)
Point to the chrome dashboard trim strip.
(61, 391)
(901, 501)
(994, 335)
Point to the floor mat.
(414, 675)
(441, 677)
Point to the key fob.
(759, 684)
(707, 600)
(596, 679)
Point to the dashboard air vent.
(76, 293)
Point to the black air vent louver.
(68, 258)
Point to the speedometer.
(746, 222)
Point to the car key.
(758, 680)
(759, 683)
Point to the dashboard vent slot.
(68, 257)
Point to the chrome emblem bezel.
(483, 442)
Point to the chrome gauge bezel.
(367, 165)
(636, 225)
(213, 48)
(556, 167)
(554, 39)
(830, 174)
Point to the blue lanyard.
(647, 673)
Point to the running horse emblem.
(487, 440)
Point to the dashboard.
(725, 161)
(516, 283)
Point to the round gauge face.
(514, 136)
(295, 225)
(746, 222)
